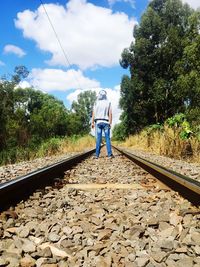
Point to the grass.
(51, 147)
(167, 143)
(56, 146)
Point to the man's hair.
(102, 95)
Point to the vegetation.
(31, 120)
(161, 97)
(164, 64)
(83, 109)
(173, 138)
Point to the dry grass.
(57, 146)
(82, 144)
(167, 143)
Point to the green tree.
(6, 110)
(118, 133)
(49, 118)
(188, 69)
(20, 72)
(83, 110)
(151, 95)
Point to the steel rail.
(23, 186)
(187, 187)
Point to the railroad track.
(21, 187)
(187, 187)
(105, 212)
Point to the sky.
(70, 46)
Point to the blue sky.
(92, 35)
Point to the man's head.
(102, 95)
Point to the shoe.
(111, 156)
(95, 157)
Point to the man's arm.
(92, 119)
(110, 116)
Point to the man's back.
(101, 110)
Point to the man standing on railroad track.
(102, 120)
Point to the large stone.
(27, 262)
(28, 246)
(24, 232)
(104, 234)
(195, 236)
(188, 262)
(158, 256)
(142, 261)
(67, 230)
(103, 262)
(4, 262)
(53, 237)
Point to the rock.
(13, 259)
(163, 226)
(28, 246)
(131, 257)
(141, 261)
(195, 236)
(53, 237)
(183, 249)
(188, 262)
(46, 252)
(36, 240)
(77, 230)
(49, 265)
(67, 230)
(167, 244)
(104, 234)
(174, 218)
(27, 262)
(187, 219)
(90, 242)
(102, 262)
(196, 249)
(4, 262)
(24, 232)
(166, 233)
(171, 263)
(12, 230)
(55, 251)
(158, 256)
(66, 243)
(95, 220)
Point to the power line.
(59, 42)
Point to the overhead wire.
(59, 42)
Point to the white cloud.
(2, 63)
(55, 79)
(14, 50)
(24, 84)
(193, 3)
(113, 96)
(90, 35)
(131, 2)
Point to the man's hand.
(92, 125)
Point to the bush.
(179, 123)
(49, 147)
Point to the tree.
(188, 69)
(6, 110)
(118, 133)
(21, 72)
(151, 94)
(83, 110)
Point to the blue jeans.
(102, 126)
